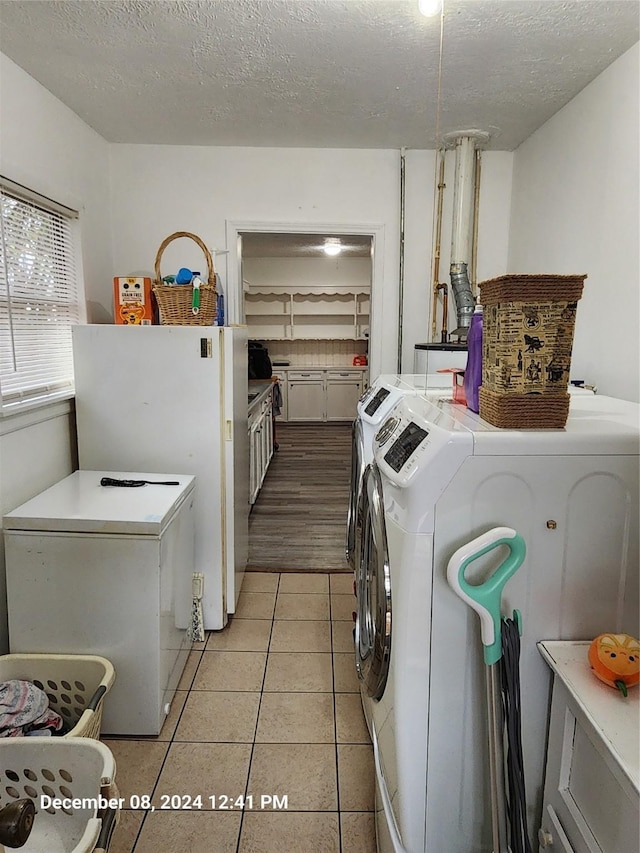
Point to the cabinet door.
(342, 398)
(266, 438)
(578, 815)
(255, 461)
(305, 400)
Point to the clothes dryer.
(441, 476)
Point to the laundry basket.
(69, 772)
(75, 684)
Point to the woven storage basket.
(524, 411)
(75, 684)
(527, 339)
(175, 301)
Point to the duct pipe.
(463, 197)
(476, 220)
(436, 251)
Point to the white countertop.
(261, 388)
(615, 717)
(342, 367)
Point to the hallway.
(299, 521)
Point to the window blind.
(39, 299)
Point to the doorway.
(312, 311)
(239, 231)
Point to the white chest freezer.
(103, 570)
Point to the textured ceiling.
(314, 73)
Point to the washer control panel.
(385, 431)
(378, 399)
(409, 439)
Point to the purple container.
(473, 370)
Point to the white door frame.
(234, 299)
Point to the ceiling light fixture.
(332, 246)
(429, 8)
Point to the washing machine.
(372, 410)
(442, 476)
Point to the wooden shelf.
(318, 314)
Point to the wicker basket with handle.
(175, 302)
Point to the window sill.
(28, 415)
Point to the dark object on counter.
(16, 822)
(111, 481)
(259, 362)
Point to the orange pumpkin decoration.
(615, 659)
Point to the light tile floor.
(267, 707)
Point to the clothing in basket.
(24, 710)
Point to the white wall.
(575, 210)
(46, 147)
(161, 189)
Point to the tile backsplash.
(316, 352)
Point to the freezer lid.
(79, 504)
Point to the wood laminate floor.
(299, 521)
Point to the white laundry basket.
(65, 769)
(75, 684)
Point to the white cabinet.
(306, 395)
(592, 783)
(323, 395)
(343, 390)
(260, 425)
(255, 461)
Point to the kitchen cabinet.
(343, 390)
(260, 427)
(591, 792)
(323, 394)
(305, 395)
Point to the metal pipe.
(461, 234)
(465, 303)
(463, 200)
(444, 334)
(436, 251)
(476, 209)
(401, 268)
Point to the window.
(39, 298)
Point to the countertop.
(615, 717)
(341, 367)
(258, 390)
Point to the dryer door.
(355, 498)
(373, 622)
